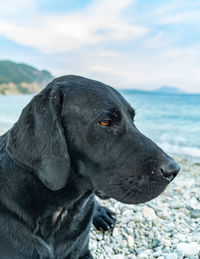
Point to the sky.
(143, 44)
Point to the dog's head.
(84, 124)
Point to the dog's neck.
(39, 201)
(47, 224)
(73, 211)
(69, 200)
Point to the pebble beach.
(167, 227)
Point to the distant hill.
(18, 78)
(169, 90)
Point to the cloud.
(100, 22)
(178, 12)
(16, 9)
(140, 69)
(125, 43)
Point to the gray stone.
(155, 243)
(139, 250)
(195, 214)
(157, 253)
(175, 205)
(171, 256)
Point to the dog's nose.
(170, 170)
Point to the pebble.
(155, 243)
(157, 253)
(181, 237)
(139, 250)
(143, 256)
(195, 214)
(180, 254)
(189, 249)
(108, 250)
(165, 214)
(130, 241)
(175, 205)
(115, 232)
(149, 213)
(171, 256)
(119, 256)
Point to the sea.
(170, 120)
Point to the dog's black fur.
(75, 138)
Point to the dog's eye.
(105, 123)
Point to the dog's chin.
(140, 198)
(140, 195)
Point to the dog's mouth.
(143, 189)
(134, 189)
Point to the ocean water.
(172, 121)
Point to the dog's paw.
(104, 218)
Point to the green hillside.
(21, 78)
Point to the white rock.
(166, 242)
(149, 213)
(127, 213)
(181, 237)
(148, 251)
(131, 224)
(108, 250)
(119, 256)
(130, 241)
(143, 255)
(99, 236)
(165, 214)
(93, 245)
(171, 256)
(115, 232)
(189, 249)
(125, 220)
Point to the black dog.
(75, 138)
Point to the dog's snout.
(170, 170)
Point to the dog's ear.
(38, 141)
